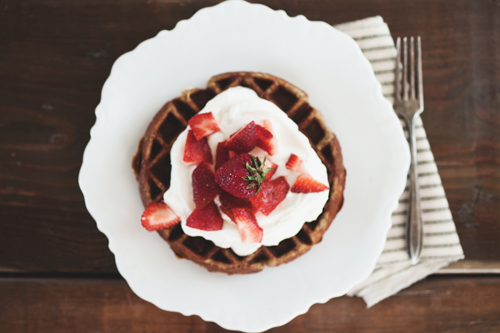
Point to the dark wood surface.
(108, 305)
(54, 58)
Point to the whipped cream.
(232, 110)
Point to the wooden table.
(56, 271)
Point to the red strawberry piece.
(203, 124)
(241, 176)
(158, 215)
(294, 163)
(230, 176)
(263, 133)
(307, 184)
(272, 166)
(196, 151)
(250, 231)
(222, 154)
(228, 202)
(205, 189)
(206, 218)
(266, 139)
(244, 140)
(271, 194)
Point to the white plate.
(238, 36)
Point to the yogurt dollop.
(233, 109)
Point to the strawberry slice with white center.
(294, 163)
(249, 229)
(271, 194)
(263, 133)
(205, 189)
(273, 167)
(266, 139)
(207, 218)
(307, 184)
(157, 216)
(196, 151)
(203, 124)
(244, 140)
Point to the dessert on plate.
(289, 186)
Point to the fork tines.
(408, 86)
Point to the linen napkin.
(441, 245)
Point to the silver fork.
(409, 104)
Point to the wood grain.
(438, 304)
(471, 267)
(55, 56)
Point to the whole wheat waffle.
(152, 168)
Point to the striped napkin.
(441, 244)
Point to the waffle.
(151, 165)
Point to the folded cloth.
(441, 245)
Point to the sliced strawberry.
(158, 215)
(272, 166)
(271, 194)
(228, 202)
(307, 184)
(263, 133)
(196, 151)
(294, 163)
(230, 176)
(244, 140)
(206, 218)
(203, 124)
(250, 231)
(222, 155)
(266, 139)
(205, 189)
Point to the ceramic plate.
(238, 36)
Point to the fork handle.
(414, 232)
